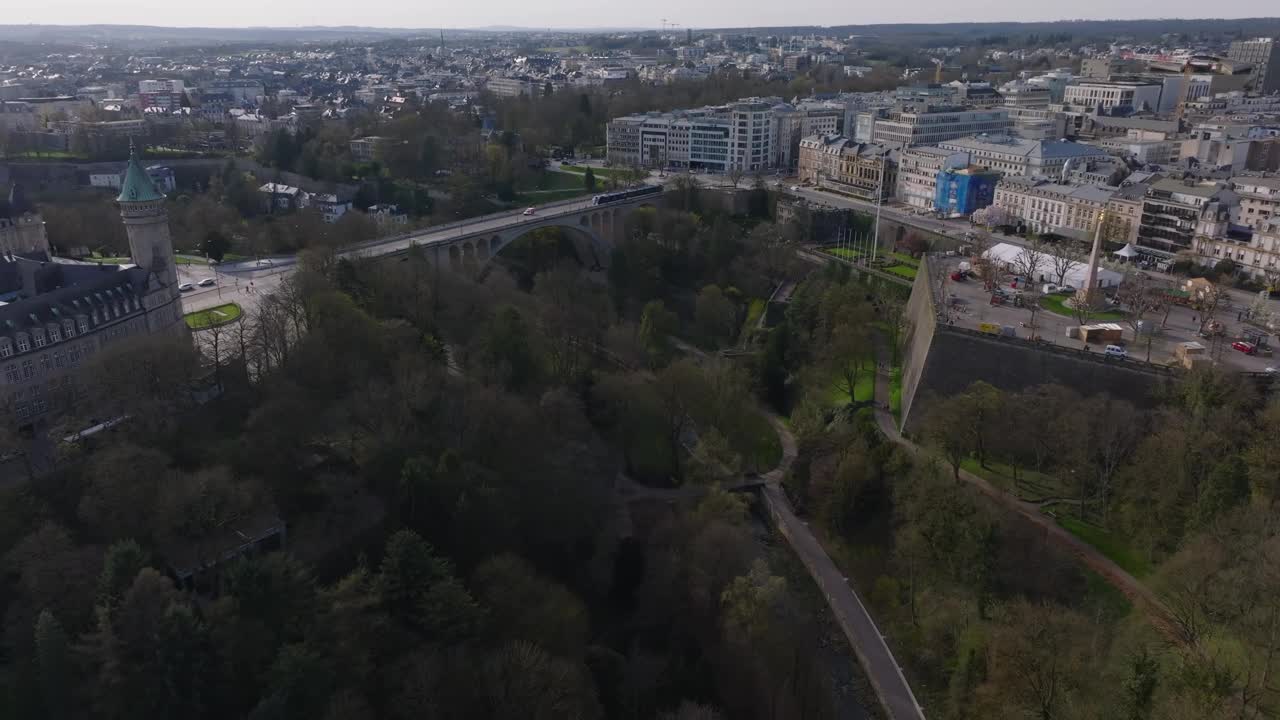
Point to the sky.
(592, 13)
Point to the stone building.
(56, 314)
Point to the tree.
(1210, 302)
(715, 314)
(589, 180)
(54, 666)
(1029, 262)
(735, 175)
(948, 427)
(1037, 655)
(656, 324)
(525, 606)
(419, 589)
(1140, 686)
(1065, 258)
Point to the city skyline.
(572, 14)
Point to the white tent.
(1126, 252)
(1007, 255)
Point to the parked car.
(958, 276)
(1116, 352)
(1066, 289)
(207, 282)
(1050, 288)
(1247, 348)
(186, 287)
(795, 188)
(529, 211)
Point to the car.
(1270, 370)
(1049, 289)
(207, 282)
(1116, 352)
(1247, 348)
(186, 287)
(1066, 289)
(795, 188)
(529, 211)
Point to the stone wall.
(942, 360)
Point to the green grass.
(1109, 544)
(754, 310)
(895, 392)
(214, 316)
(552, 180)
(539, 198)
(905, 259)
(906, 271)
(600, 173)
(1031, 485)
(110, 260)
(863, 391)
(1056, 304)
(844, 253)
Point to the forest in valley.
(471, 471)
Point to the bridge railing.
(462, 224)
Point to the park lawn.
(600, 173)
(111, 260)
(1115, 548)
(548, 196)
(863, 391)
(1031, 485)
(1055, 304)
(552, 180)
(905, 259)
(844, 253)
(214, 316)
(906, 271)
(754, 310)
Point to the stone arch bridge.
(470, 245)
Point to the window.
(55, 334)
(60, 359)
(83, 323)
(11, 374)
(39, 336)
(24, 344)
(6, 347)
(44, 363)
(28, 369)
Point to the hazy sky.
(592, 13)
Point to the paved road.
(864, 637)
(1137, 592)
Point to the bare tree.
(1211, 301)
(1271, 276)
(735, 176)
(1137, 297)
(1032, 258)
(1066, 258)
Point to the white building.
(916, 124)
(1111, 95)
(737, 136)
(1047, 207)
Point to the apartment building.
(1021, 157)
(1259, 200)
(1256, 253)
(867, 171)
(371, 148)
(1048, 207)
(793, 122)
(1264, 55)
(514, 87)
(1022, 94)
(1175, 212)
(918, 169)
(914, 124)
(1113, 95)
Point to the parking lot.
(971, 308)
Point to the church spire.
(137, 185)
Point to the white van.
(1116, 352)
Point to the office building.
(1174, 212)
(1017, 156)
(1264, 55)
(910, 124)
(514, 87)
(1113, 96)
(734, 137)
(1050, 207)
(1099, 68)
